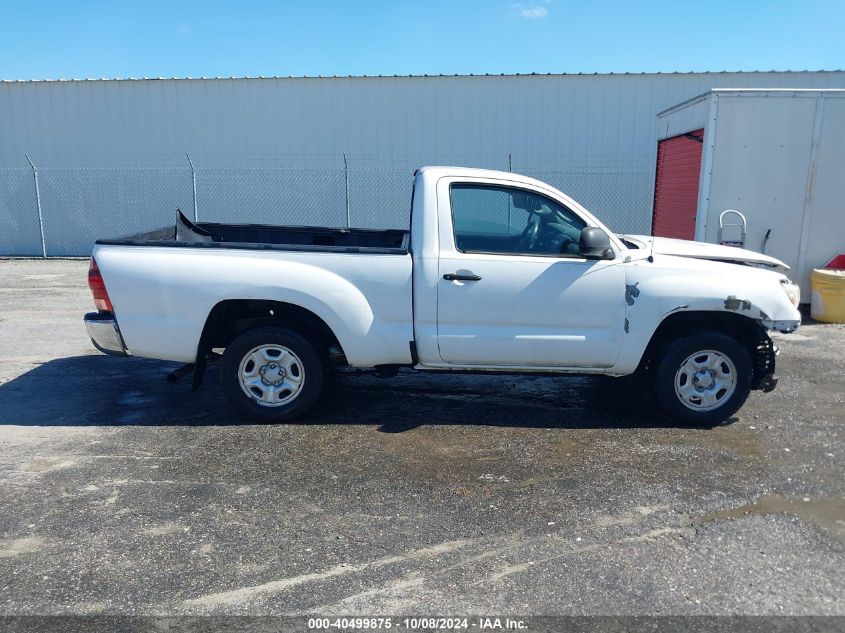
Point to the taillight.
(98, 288)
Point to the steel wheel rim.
(705, 380)
(271, 375)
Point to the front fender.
(672, 284)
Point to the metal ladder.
(729, 231)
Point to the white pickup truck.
(499, 273)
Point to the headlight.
(793, 292)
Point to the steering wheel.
(530, 234)
(568, 245)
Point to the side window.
(509, 221)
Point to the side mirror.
(594, 244)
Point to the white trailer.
(776, 156)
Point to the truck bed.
(269, 237)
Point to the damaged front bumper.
(764, 357)
(786, 327)
(768, 383)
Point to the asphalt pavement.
(424, 494)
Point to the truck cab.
(501, 280)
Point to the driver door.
(511, 293)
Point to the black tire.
(307, 363)
(668, 366)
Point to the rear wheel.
(272, 374)
(703, 378)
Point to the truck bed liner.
(186, 234)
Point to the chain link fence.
(272, 195)
(621, 198)
(20, 232)
(61, 211)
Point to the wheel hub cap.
(705, 380)
(271, 375)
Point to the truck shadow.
(96, 390)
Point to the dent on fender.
(735, 305)
(631, 293)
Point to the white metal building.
(115, 156)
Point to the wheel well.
(742, 328)
(229, 318)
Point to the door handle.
(459, 277)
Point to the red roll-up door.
(676, 185)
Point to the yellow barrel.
(828, 302)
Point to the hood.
(705, 250)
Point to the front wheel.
(703, 378)
(271, 374)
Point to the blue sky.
(78, 38)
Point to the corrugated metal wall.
(111, 155)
